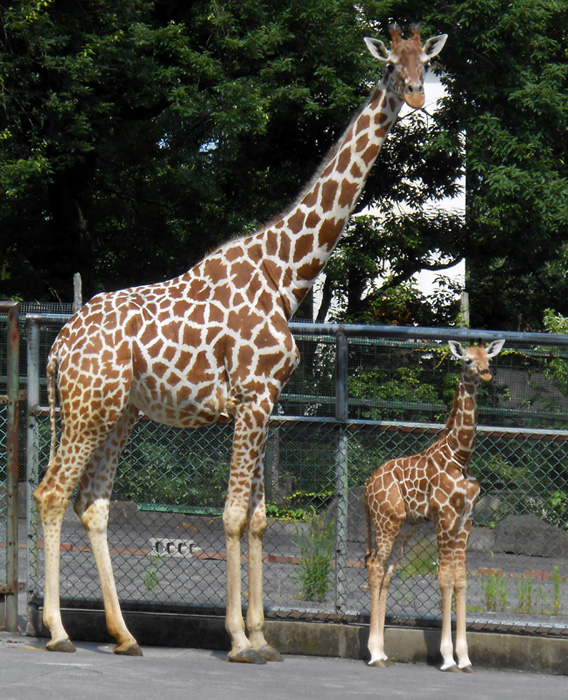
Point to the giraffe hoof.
(381, 663)
(128, 649)
(246, 656)
(451, 669)
(269, 653)
(468, 669)
(65, 645)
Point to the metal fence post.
(342, 486)
(32, 458)
(13, 397)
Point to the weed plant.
(494, 589)
(315, 538)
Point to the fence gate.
(9, 404)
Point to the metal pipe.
(32, 466)
(13, 393)
(342, 469)
(422, 333)
(396, 332)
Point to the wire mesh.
(166, 532)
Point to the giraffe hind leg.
(52, 497)
(92, 507)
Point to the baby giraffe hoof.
(269, 653)
(65, 645)
(128, 649)
(246, 656)
(451, 669)
(381, 663)
(468, 669)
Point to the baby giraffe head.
(476, 358)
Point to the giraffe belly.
(183, 407)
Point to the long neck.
(462, 422)
(299, 244)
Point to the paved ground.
(27, 672)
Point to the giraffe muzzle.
(414, 95)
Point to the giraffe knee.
(234, 522)
(446, 579)
(258, 524)
(49, 499)
(92, 514)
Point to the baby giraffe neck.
(462, 422)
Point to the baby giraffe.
(436, 485)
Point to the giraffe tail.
(51, 376)
(369, 528)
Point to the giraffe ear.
(456, 349)
(433, 47)
(495, 348)
(378, 49)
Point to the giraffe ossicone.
(435, 485)
(210, 344)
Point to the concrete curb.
(486, 649)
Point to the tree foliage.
(138, 135)
(508, 90)
(135, 136)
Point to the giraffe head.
(406, 61)
(476, 358)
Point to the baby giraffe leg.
(379, 605)
(379, 579)
(446, 583)
(460, 586)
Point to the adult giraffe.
(210, 344)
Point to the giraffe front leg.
(52, 509)
(245, 507)
(234, 520)
(460, 588)
(255, 613)
(446, 583)
(464, 664)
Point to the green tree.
(507, 77)
(138, 135)
(503, 124)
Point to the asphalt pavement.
(28, 671)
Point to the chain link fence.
(338, 420)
